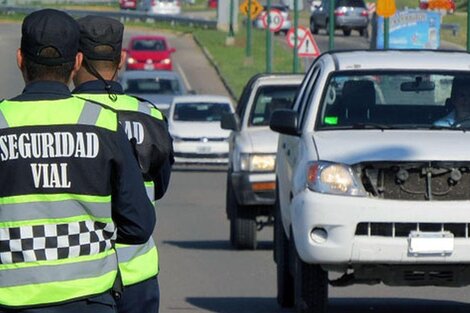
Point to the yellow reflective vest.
(56, 230)
(137, 263)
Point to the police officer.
(101, 45)
(69, 183)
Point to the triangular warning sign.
(308, 47)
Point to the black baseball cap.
(96, 31)
(50, 28)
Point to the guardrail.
(451, 26)
(126, 16)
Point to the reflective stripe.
(150, 188)
(59, 209)
(137, 262)
(90, 114)
(125, 253)
(12, 275)
(144, 108)
(56, 292)
(3, 121)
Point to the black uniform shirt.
(132, 211)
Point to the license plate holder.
(203, 149)
(426, 243)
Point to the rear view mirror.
(230, 121)
(284, 121)
(172, 50)
(418, 85)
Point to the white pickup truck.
(252, 149)
(373, 175)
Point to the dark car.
(349, 15)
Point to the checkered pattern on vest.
(54, 241)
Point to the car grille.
(201, 155)
(460, 230)
(421, 181)
(203, 139)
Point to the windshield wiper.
(441, 127)
(371, 125)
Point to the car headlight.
(165, 61)
(257, 162)
(333, 178)
(131, 60)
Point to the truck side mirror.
(230, 121)
(284, 121)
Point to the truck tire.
(242, 221)
(243, 228)
(230, 203)
(311, 287)
(285, 281)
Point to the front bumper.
(340, 216)
(254, 188)
(201, 152)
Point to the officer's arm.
(156, 154)
(133, 212)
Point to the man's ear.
(19, 59)
(122, 62)
(77, 65)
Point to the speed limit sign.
(276, 20)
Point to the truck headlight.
(257, 162)
(333, 178)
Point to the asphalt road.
(199, 270)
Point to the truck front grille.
(460, 230)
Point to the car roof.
(149, 74)
(278, 78)
(398, 59)
(147, 37)
(206, 98)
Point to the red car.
(128, 4)
(212, 4)
(149, 53)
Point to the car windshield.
(200, 111)
(351, 3)
(149, 44)
(395, 100)
(268, 99)
(153, 86)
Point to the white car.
(171, 7)
(369, 185)
(252, 155)
(194, 124)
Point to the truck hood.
(198, 129)
(260, 139)
(352, 147)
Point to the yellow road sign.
(255, 8)
(386, 8)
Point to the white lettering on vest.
(50, 175)
(134, 130)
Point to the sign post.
(386, 8)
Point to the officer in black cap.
(101, 45)
(77, 188)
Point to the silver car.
(160, 87)
(372, 184)
(252, 148)
(349, 15)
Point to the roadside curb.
(214, 65)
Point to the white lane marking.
(183, 76)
